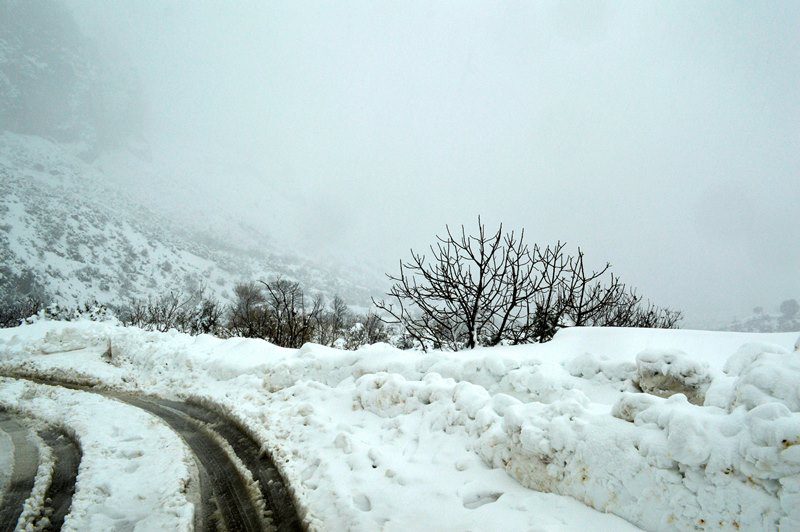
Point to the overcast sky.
(664, 138)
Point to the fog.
(662, 138)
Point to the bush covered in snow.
(13, 313)
(194, 313)
(30, 310)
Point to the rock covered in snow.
(68, 339)
(668, 372)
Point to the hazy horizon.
(661, 138)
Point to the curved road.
(227, 501)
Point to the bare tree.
(246, 315)
(491, 288)
(588, 296)
(290, 317)
(544, 308)
(472, 290)
(332, 323)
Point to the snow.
(555, 436)
(135, 472)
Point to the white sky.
(664, 138)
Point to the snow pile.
(381, 438)
(589, 366)
(765, 374)
(135, 473)
(679, 465)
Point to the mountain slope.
(65, 232)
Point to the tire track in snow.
(235, 509)
(273, 488)
(227, 500)
(26, 463)
(58, 497)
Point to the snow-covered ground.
(540, 437)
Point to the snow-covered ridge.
(361, 434)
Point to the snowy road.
(240, 488)
(23, 470)
(271, 487)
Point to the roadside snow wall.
(662, 464)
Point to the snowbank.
(384, 438)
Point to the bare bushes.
(491, 288)
(366, 329)
(279, 311)
(193, 313)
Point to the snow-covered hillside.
(85, 213)
(65, 230)
(490, 439)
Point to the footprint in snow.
(476, 500)
(362, 502)
(130, 454)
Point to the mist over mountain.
(82, 201)
(57, 84)
(662, 140)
